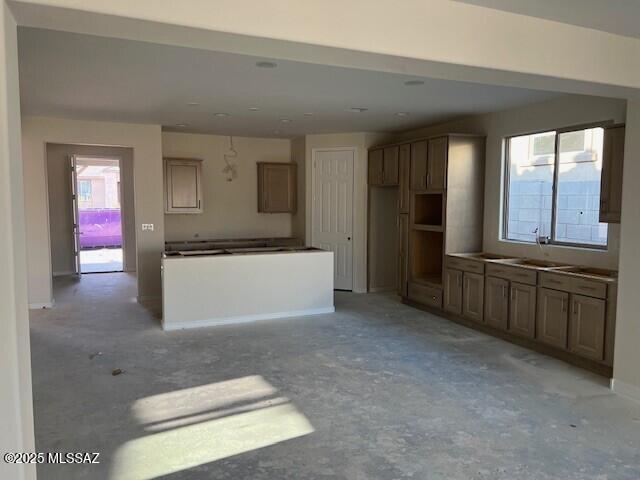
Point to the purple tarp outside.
(100, 228)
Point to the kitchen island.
(223, 286)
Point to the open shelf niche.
(427, 254)
(428, 210)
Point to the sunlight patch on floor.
(203, 424)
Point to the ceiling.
(621, 17)
(96, 78)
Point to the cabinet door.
(390, 166)
(437, 169)
(552, 317)
(587, 327)
(276, 187)
(473, 296)
(611, 177)
(404, 169)
(403, 256)
(522, 310)
(183, 190)
(419, 165)
(496, 302)
(453, 290)
(376, 165)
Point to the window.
(553, 188)
(84, 190)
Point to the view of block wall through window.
(532, 165)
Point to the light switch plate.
(147, 227)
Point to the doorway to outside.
(97, 214)
(332, 214)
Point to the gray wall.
(60, 215)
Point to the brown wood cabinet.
(276, 187)
(183, 185)
(522, 310)
(403, 254)
(496, 302)
(473, 296)
(376, 167)
(587, 327)
(453, 290)
(419, 165)
(437, 163)
(404, 178)
(611, 177)
(552, 319)
(390, 166)
(383, 166)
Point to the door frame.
(120, 196)
(314, 152)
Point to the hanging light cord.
(230, 168)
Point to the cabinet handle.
(575, 307)
(504, 291)
(428, 179)
(424, 181)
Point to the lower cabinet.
(587, 327)
(552, 320)
(522, 310)
(453, 290)
(473, 296)
(496, 302)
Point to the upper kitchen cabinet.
(276, 187)
(183, 185)
(404, 170)
(419, 165)
(611, 178)
(383, 166)
(437, 163)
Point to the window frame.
(506, 183)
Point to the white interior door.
(75, 214)
(332, 218)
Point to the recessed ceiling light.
(182, 125)
(358, 109)
(308, 114)
(285, 120)
(221, 114)
(193, 104)
(266, 64)
(402, 114)
(254, 109)
(414, 83)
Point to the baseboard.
(627, 390)
(64, 273)
(214, 322)
(38, 306)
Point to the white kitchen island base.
(218, 289)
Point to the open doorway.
(97, 212)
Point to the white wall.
(145, 141)
(230, 208)
(626, 364)
(16, 405)
(565, 111)
(362, 142)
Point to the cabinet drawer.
(465, 265)
(555, 281)
(590, 288)
(427, 295)
(515, 274)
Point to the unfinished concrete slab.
(377, 390)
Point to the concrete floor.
(378, 390)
